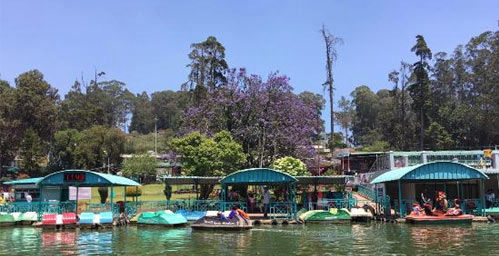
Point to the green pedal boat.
(332, 216)
(161, 218)
(7, 219)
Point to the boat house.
(407, 185)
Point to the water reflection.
(451, 238)
(370, 239)
(95, 242)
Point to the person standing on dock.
(266, 201)
(489, 198)
(28, 197)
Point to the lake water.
(358, 239)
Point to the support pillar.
(424, 157)
(77, 192)
(495, 159)
(40, 202)
(400, 198)
(112, 194)
(391, 159)
(124, 200)
(482, 197)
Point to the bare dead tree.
(330, 42)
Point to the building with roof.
(55, 186)
(372, 168)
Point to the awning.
(23, 181)
(432, 171)
(85, 178)
(258, 176)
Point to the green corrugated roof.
(432, 171)
(92, 179)
(23, 181)
(258, 176)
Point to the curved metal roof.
(258, 176)
(23, 181)
(432, 171)
(91, 179)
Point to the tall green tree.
(36, 104)
(99, 103)
(419, 89)
(345, 116)
(143, 118)
(208, 67)
(10, 126)
(63, 154)
(402, 121)
(32, 150)
(169, 107)
(93, 148)
(36, 110)
(364, 123)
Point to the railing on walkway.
(282, 210)
(366, 192)
(44, 207)
(276, 209)
(382, 202)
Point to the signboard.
(380, 191)
(74, 177)
(83, 193)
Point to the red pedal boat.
(439, 218)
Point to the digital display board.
(74, 177)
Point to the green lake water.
(358, 239)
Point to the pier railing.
(283, 210)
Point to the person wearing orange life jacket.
(242, 213)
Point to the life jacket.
(242, 213)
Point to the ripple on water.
(358, 239)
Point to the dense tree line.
(442, 101)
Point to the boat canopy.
(432, 171)
(258, 176)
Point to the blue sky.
(145, 43)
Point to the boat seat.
(49, 219)
(69, 218)
(106, 217)
(16, 216)
(211, 213)
(87, 218)
(29, 216)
